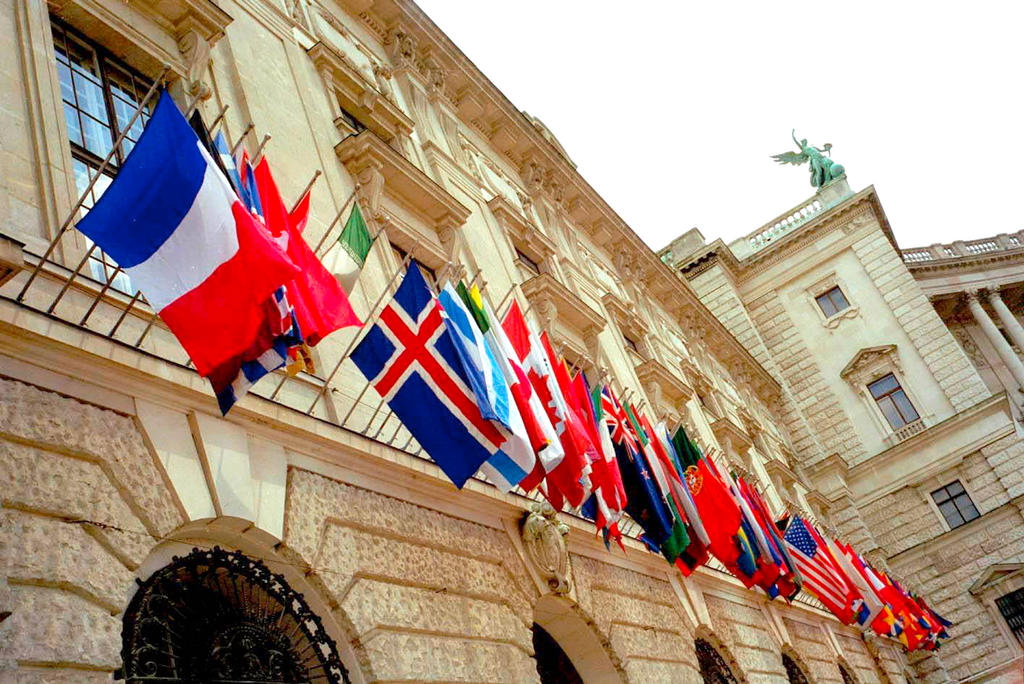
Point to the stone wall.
(83, 502)
(944, 357)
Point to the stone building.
(306, 537)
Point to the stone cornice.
(401, 179)
(413, 37)
(672, 386)
(358, 95)
(544, 291)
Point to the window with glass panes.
(100, 95)
(1011, 607)
(832, 302)
(955, 504)
(531, 265)
(893, 401)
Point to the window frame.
(898, 390)
(527, 262)
(100, 266)
(953, 498)
(829, 296)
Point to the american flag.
(819, 573)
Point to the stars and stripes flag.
(819, 573)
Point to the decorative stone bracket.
(544, 540)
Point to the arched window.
(847, 677)
(713, 668)
(219, 617)
(553, 665)
(793, 671)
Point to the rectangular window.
(531, 265)
(832, 302)
(1011, 606)
(630, 343)
(893, 402)
(100, 96)
(955, 504)
(428, 273)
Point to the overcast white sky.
(671, 110)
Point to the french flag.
(175, 225)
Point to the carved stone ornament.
(196, 51)
(402, 49)
(544, 541)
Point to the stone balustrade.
(965, 248)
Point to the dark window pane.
(951, 514)
(883, 386)
(966, 507)
(954, 488)
(838, 299)
(903, 404)
(827, 307)
(890, 413)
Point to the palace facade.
(306, 537)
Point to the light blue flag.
(515, 459)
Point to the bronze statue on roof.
(823, 169)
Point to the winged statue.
(823, 169)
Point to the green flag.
(355, 243)
(474, 303)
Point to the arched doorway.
(221, 617)
(567, 644)
(553, 665)
(793, 671)
(713, 668)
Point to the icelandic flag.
(410, 359)
(172, 221)
(509, 465)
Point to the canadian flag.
(570, 479)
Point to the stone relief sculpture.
(823, 169)
(544, 541)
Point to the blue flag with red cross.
(410, 359)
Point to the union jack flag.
(410, 359)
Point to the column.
(1013, 327)
(1006, 353)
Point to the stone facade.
(942, 321)
(115, 463)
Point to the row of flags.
(211, 243)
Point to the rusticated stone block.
(658, 672)
(73, 489)
(53, 626)
(374, 605)
(43, 417)
(44, 549)
(428, 657)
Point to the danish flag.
(410, 359)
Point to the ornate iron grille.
(713, 668)
(1011, 606)
(793, 671)
(553, 665)
(219, 617)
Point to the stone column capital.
(995, 293)
(972, 295)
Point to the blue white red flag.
(515, 459)
(410, 359)
(248, 190)
(175, 225)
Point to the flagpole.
(241, 138)
(352, 344)
(220, 117)
(330, 226)
(309, 186)
(66, 224)
(85, 259)
(258, 156)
